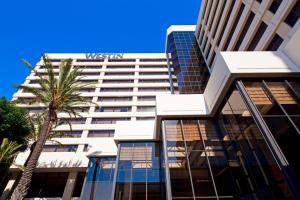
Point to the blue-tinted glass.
(187, 61)
(138, 172)
(99, 179)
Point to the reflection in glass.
(196, 159)
(177, 160)
(284, 127)
(139, 174)
(99, 179)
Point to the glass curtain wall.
(187, 61)
(278, 102)
(139, 172)
(198, 167)
(229, 156)
(99, 179)
(255, 170)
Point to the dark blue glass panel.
(99, 178)
(188, 62)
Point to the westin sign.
(104, 55)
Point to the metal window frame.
(269, 92)
(167, 170)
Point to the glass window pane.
(209, 135)
(202, 181)
(285, 97)
(179, 172)
(139, 166)
(192, 135)
(221, 173)
(288, 140)
(99, 179)
(262, 100)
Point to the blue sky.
(29, 28)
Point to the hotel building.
(217, 116)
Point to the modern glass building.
(185, 57)
(217, 116)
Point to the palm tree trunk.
(20, 173)
(24, 184)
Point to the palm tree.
(58, 95)
(36, 123)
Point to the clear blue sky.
(29, 28)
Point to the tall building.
(238, 25)
(122, 88)
(217, 116)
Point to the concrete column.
(70, 186)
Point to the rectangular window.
(153, 80)
(146, 98)
(191, 144)
(244, 31)
(71, 121)
(294, 15)
(99, 179)
(146, 108)
(225, 22)
(153, 66)
(90, 66)
(148, 89)
(118, 81)
(67, 134)
(120, 66)
(101, 133)
(114, 109)
(212, 59)
(114, 99)
(153, 73)
(144, 118)
(218, 20)
(139, 172)
(60, 148)
(214, 15)
(208, 50)
(233, 28)
(275, 43)
(119, 73)
(109, 120)
(116, 89)
(275, 5)
(259, 33)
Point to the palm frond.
(8, 150)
